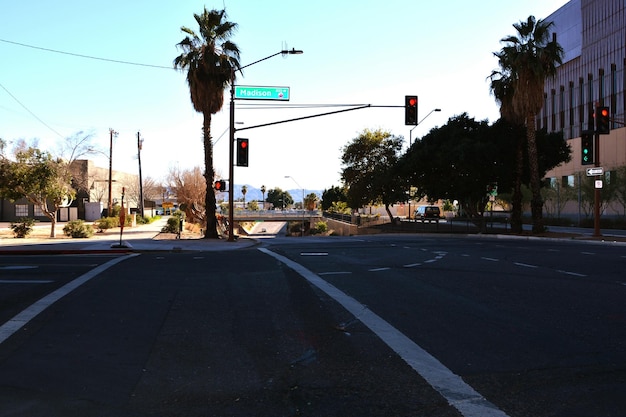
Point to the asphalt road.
(531, 327)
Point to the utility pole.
(139, 143)
(112, 133)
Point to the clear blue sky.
(366, 52)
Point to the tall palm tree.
(502, 89)
(244, 191)
(263, 189)
(529, 58)
(209, 57)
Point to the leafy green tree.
(370, 170)
(210, 59)
(458, 161)
(41, 179)
(279, 198)
(332, 195)
(620, 188)
(527, 59)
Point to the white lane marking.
(313, 253)
(587, 253)
(489, 259)
(412, 265)
(525, 265)
(379, 269)
(17, 267)
(26, 315)
(576, 274)
(24, 281)
(335, 273)
(451, 386)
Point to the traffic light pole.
(596, 190)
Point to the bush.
(22, 227)
(172, 226)
(78, 229)
(106, 223)
(321, 227)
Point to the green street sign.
(243, 92)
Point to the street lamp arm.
(293, 51)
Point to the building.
(92, 195)
(593, 36)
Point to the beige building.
(593, 36)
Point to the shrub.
(22, 227)
(172, 226)
(78, 229)
(106, 223)
(321, 227)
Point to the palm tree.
(263, 189)
(244, 191)
(502, 89)
(209, 58)
(529, 58)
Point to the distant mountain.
(255, 194)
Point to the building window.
(562, 108)
(601, 87)
(590, 105)
(21, 210)
(581, 101)
(38, 212)
(571, 103)
(613, 97)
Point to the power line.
(28, 110)
(84, 56)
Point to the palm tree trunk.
(209, 175)
(516, 212)
(536, 204)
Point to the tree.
(210, 59)
(279, 198)
(458, 161)
(528, 58)
(41, 179)
(190, 190)
(244, 191)
(370, 173)
(309, 201)
(263, 189)
(502, 89)
(332, 195)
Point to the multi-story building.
(593, 36)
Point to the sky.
(367, 52)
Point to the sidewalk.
(141, 238)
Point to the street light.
(231, 145)
(112, 133)
(418, 123)
(298, 185)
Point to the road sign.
(591, 172)
(243, 92)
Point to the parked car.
(429, 213)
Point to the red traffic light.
(242, 152)
(410, 110)
(603, 120)
(220, 185)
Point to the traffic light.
(586, 146)
(242, 152)
(603, 126)
(220, 185)
(410, 110)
